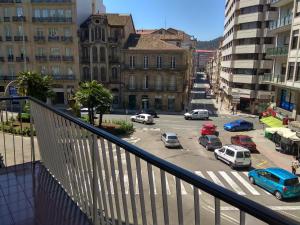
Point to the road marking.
(232, 183)
(200, 174)
(245, 183)
(215, 178)
(262, 163)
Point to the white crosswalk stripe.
(234, 185)
(245, 183)
(233, 180)
(215, 178)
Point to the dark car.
(210, 142)
(148, 111)
(238, 125)
(244, 141)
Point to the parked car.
(85, 112)
(170, 139)
(148, 111)
(238, 125)
(244, 141)
(210, 142)
(197, 114)
(235, 156)
(209, 129)
(142, 118)
(282, 183)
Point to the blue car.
(277, 181)
(238, 125)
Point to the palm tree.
(94, 95)
(34, 85)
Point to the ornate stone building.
(102, 36)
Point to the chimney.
(93, 7)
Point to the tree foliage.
(34, 85)
(94, 96)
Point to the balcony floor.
(29, 195)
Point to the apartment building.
(285, 74)
(213, 69)
(201, 58)
(155, 73)
(244, 53)
(40, 36)
(102, 37)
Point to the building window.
(98, 33)
(115, 100)
(67, 32)
(68, 13)
(132, 61)
(131, 82)
(95, 54)
(158, 62)
(40, 32)
(10, 51)
(70, 71)
(7, 31)
(52, 32)
(295, 39)
(173, 62)
(20, 11)
(45, 13)
(55, 70)
(6, 12)
(11, 70)
(146, 82)
(171, 103)
(158, 103)
(20, 31)
(40, 51)
(55, 51)
(37, 13)
(102, 54)
(85, 52)
(291, 70)
(103, 74)
(114, 73)
(103, 34)
(86, 74)
(172, 83)
(297, 78)
(43, 70)
(145, 62)
(158, 83)
(68, 52)
(95, 73)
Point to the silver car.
(170, 140)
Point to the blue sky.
(202, 18)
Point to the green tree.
(34, 85)
(94, 95)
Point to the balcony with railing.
(41, 58)
(22, 59)
(279, 3)
(8, 78)
(54, 58)
(68, 172)
(277, 52)
(53, 38)
(66, 39)
(68, 58)
(10, 58)
(273, 79)
(6, 1)
(51, 1)
(8, 38)
(154, 67)
(282, 23)
(39, 38)
(1, 38)
(2, 59)
(6, 19)
(20, 38)
(18, 18)
(52, 19)
(63, 77)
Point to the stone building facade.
(155, 74)
(102, 37)
(40, 36)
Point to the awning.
(273, 130)
(201, 85)
(272, 121)
(284, 132)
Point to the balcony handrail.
(245, 205)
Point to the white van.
(142, 118)
(234, 155)
(197, 114)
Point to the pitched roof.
(118, 19)
(148, 41)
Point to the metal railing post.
(31, 134)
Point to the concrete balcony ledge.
(279, 3)
(277, 51)
(20, 38)
(19, 18)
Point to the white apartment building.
(285, 75)
(243, 56)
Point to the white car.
(85, 111)
(234, 155)
(170, 139)
(197, 114)
(142, 118)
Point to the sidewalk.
(224, 110)
(267, 148)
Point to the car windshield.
(246, 139)
(291, 182)
(172, 137)
(247, 154)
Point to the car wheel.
(144, 122)
(232, 166)
(132, 120)
(216, 156)
(252, 181)
(278, 195)
(206, 147)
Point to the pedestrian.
(295, 165)
(232, 110)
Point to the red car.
(209, 129)
(244, 141)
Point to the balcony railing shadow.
(110, 180)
